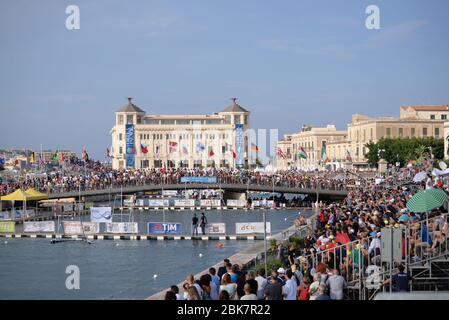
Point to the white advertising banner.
(140, 202)
(122, 227)
(39, 226)
(184, 203)
(158, 202)
(216, 228)
(169, 193)
(69, 207)
(251, 227)
(210, 202)
(100, 214)
(262, 203)
(236, 203)
(5, 215)
(74, 227)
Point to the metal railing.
(352, 259)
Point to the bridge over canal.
(105, 194)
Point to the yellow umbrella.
(36, 194)
(18, 195)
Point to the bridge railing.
(332, 185)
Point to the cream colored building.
(190, 141)
(446, 140)
(312, 140)
(420, 122)
(343, 147)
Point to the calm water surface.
(35, 269)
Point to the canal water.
(35, 269)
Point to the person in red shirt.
(303, 290)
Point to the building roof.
(130, 107)
(428, 108)
(235, 107)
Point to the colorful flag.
(348, 155)
(280, 153)
(157, 153)
(211, 153)
(254, 148)
(143, 148)
(2, 160)
(56, 157)
(302, 153)
(234, 154)
(185, 151)
(173, 146)
(61, 158)
(84, 155)
(32, 158)
(323, 152)
(41, 161)
(200, 147)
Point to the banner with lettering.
(122, 227)
(39, 226)
(76, 227)
(130, 146)
(216, 228)
(251, 227)
(164, 228)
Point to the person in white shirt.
(213, 289)
(261, 284)
(248, 295)
(289, 290)
(336, 284)
(175, 289)
(374, 246)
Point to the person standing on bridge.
(203, 224)
(194, 225)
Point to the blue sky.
(290, 62)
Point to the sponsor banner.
(164, 228)
(216, 228)
(158, 202)
(236, 203)
(130, 146)
(169, 193)
(101, 214)
(251, 227)
(39, 226)
(5, 215)
(262, 203)
(198, 179)
(20, 214)
(140, 202)
(239, 145)
(210, 203)
(122, 227)
(68, 207)
(184, 203)
(74, 227)
(128, 202)
(7, 226)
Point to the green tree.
(404, 150)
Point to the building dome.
(235, 107)
(130, 107)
